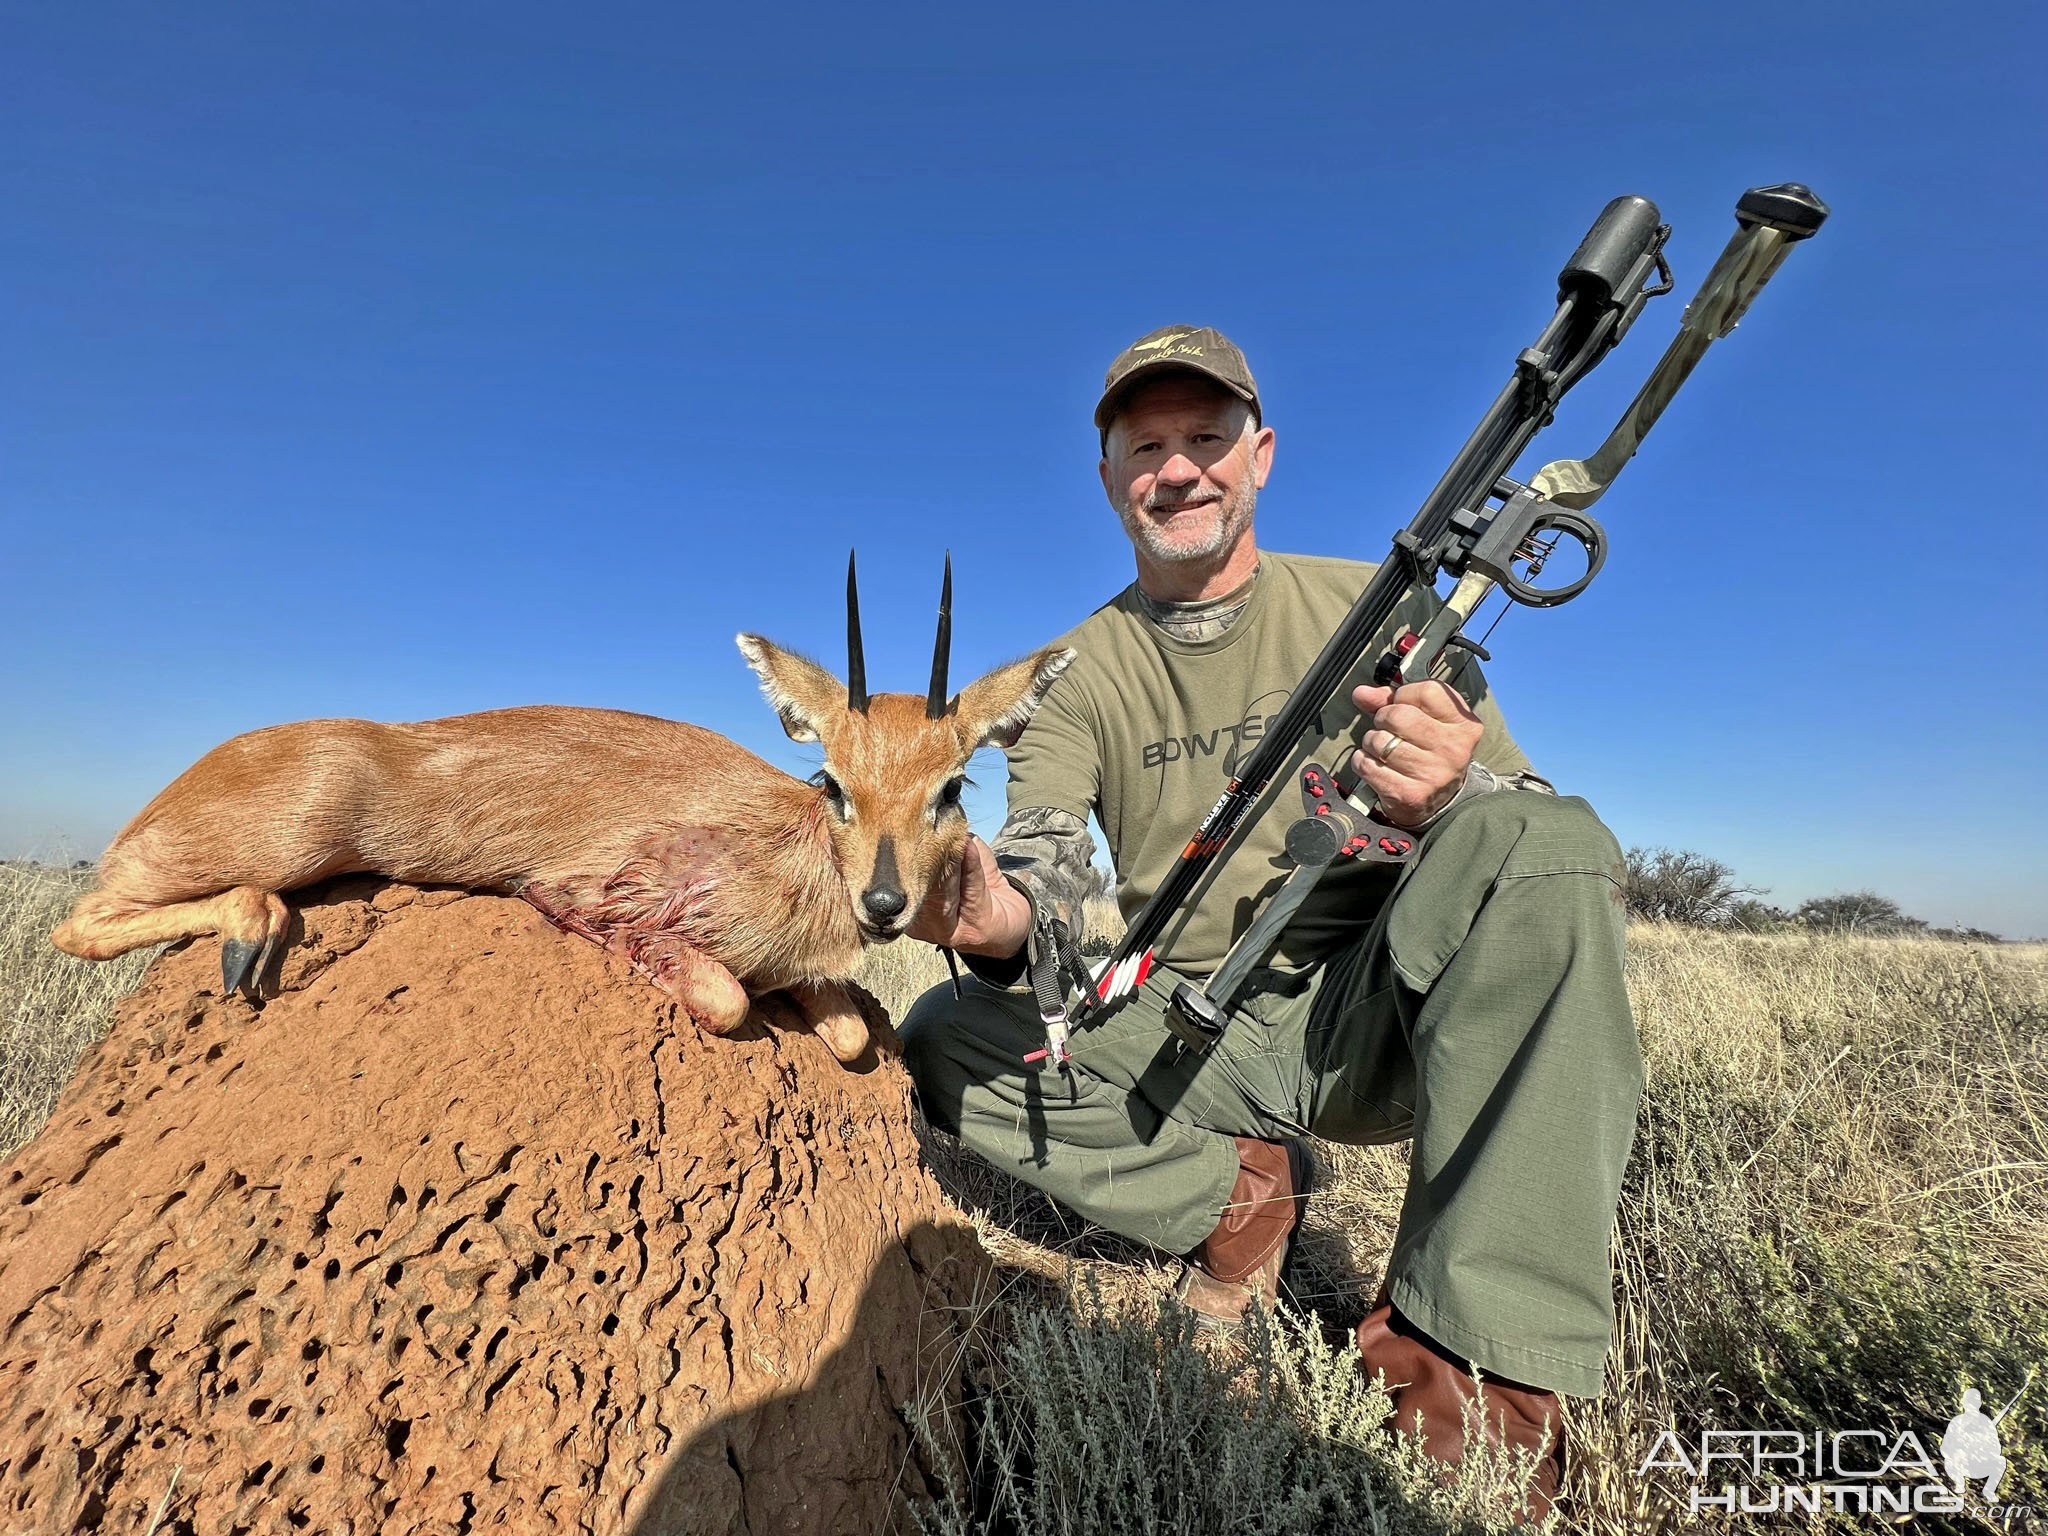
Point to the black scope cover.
(1616, 242)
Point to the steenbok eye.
(833, 793)
(950, 795)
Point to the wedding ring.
(1387, 751)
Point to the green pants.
(1481, 1012)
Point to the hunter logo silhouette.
(1158, 342)
(1969, 1446)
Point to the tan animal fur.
(719, 877)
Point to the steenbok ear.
(993, 710)
(804, 694)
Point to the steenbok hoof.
(241, 966)
(243, 961)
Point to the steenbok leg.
(710, 992)
(250, 921)
(835, 1016)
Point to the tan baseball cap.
(1196, 348)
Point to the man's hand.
(973, 909)
(1418, 749)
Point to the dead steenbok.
(718, 877)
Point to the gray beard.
(1234, 515)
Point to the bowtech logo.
(1231, 739)
(1848, 1471)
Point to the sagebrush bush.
(1110, 1420)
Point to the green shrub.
(1109, 1421)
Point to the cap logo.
(1198, 348)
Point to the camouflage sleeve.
(1049, 856)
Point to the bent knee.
(928, 1017)
(951, 1044)
(930, 1032)
(1540, 834)
(927, 1030)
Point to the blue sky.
(402, 361)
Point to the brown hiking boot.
(1243, 1257)
(1425, 1378)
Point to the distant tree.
(1676, 885)
(1963, 933)
(1857, 912)
(1100, 883)
(1752, 916)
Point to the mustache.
(1158, 503)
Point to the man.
(1471, 999)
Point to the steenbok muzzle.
(719, 877)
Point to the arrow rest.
(1491, 544)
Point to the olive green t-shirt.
(1144, 730)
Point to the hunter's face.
(1183, 468)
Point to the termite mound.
(467, 1228)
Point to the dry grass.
(1835, 1216)
(1837, 1210)
(51, 1006)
